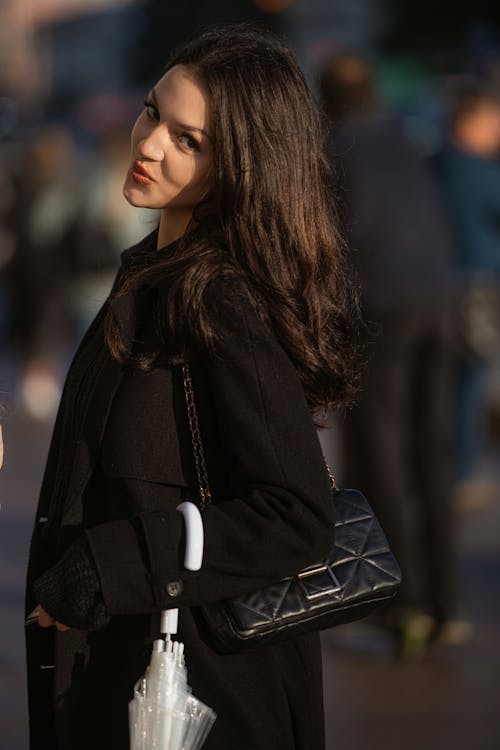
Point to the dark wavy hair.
(269, 223)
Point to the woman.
(244, 280)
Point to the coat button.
(174, 588)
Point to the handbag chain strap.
(330, 474)
(194, 426)
(199, 454)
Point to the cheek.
(180, 169)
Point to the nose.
(149, 147)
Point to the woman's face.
(171, 152)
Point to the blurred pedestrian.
(469, 171)
(244, 279)
(397, 438)
(39, 271)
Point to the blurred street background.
(411, 98)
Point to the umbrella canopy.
(164, 714)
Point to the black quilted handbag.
(359, 575)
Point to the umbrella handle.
(193, 556)
(194, 535)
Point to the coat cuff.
(172, 585)
(140, 563)
(119, 560)
(70, 590)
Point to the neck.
(173, 225)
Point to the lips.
(140, 174)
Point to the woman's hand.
(46, 621)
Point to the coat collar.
(124, 305)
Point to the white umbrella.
(163, 714)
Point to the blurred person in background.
(396, 441)
(469, 172)
(67, 231)
(38, 272)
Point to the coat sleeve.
(276, 513)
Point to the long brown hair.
(269, 223)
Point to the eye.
(151, 111)
(189, 142)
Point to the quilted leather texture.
(360, 574)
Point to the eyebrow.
(183, 125)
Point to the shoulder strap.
(194, 426)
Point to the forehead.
(182, 97)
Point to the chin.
(133, 200)
(136, 197)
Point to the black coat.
(119, 463)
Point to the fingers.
(46, 621)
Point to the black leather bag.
(359, 575)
